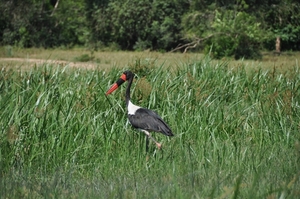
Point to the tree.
(224, 32)
(46, 23)
(283, 19)
(220, 27)
(139, 25)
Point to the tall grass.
(237, 133)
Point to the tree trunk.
(277, 46)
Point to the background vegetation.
(236, 123)
(236, 132)
(239, 28)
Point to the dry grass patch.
(24, 58)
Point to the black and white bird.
(141, 118)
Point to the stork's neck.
(127, 95)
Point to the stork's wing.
(149, 120)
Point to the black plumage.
(149, 120)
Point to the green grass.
(19, 58)
(236, 132)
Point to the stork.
(140, 118)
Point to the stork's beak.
(116, 85)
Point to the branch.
(55, 7)
(185, 45)
(194, 43)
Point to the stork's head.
(124, 77)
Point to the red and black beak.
(116, 85)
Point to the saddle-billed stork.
(141, 118)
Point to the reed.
(236, 132)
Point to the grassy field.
(236, 126)
(83, 58)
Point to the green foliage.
(152, 25)
(236, 133)
(39, 24)
(9, 52)
(142, 67)
(290, 37)
(246, 26)
(282, 18)
(242, 35)
(139, 25)
(247, 48)
(84, 58)
(71, 19)
(197, 23)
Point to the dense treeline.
(239, 28)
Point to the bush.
(139, 25)
(247, 49)
(239, 35)
(84, 58)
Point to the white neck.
(132, 108)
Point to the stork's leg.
(147, 144)
(149, 136)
